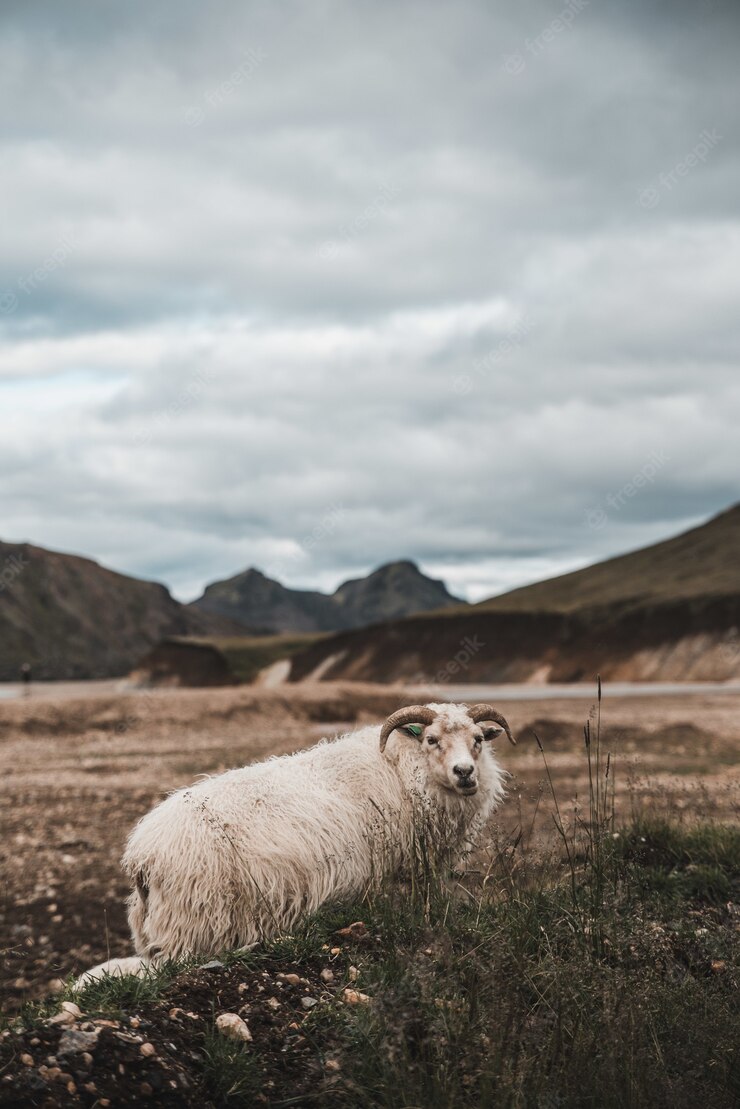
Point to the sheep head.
(452, 738)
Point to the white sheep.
(242, 856)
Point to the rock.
(309, 1002)
(146, 1090)
(332, 1065)
(291, 979)
(354, 997)
(27, 1060)
(70, 1007)
(272, 1003)
(233, 1027)
(327, 975)
(353, 931)
(147, 1050)
(56, 985)
(353, 974)
(335, 951)
(215, 964)
(73, 1042)
(134, 1022)
(21, 984)
(86, 1059)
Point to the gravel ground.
(79, 764)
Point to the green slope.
(703, 562)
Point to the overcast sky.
(314, 286)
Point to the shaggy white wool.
(239, 857)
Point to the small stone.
(718, 966)
(336, 951)
(272, 1003)
(27, 1060)
(353, 931)
(74, 1042)
(146, 1090)
(56, 985)
(147, 1050)
(52, 1073)
(70, 1007)
(309, 1002)
(354, 997)
(233, 1027)
(62, 1018)
(90, 1088)
(35, 1041)
(327, 975)
(353, 974)
(134, 1022)
(291, 979)
(332, 1065)
(87, 1059)
(105, 1102)
(21, 984)
(215, 964)
(71, 1088)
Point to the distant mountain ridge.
(68, 617)
(668, 612)
(262, 604)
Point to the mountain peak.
(393, 590)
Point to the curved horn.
(412, 714)
(477, 713)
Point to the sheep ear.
(491, 733)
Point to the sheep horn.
(477, 713)
(412, 714)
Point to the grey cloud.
(304, 240)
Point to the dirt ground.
(79, 764)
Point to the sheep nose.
(463, 771)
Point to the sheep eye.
(432, 740)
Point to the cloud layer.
(317, 286)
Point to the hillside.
(261, 603)
(69, 617)
(669, 612)
(702, 562)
